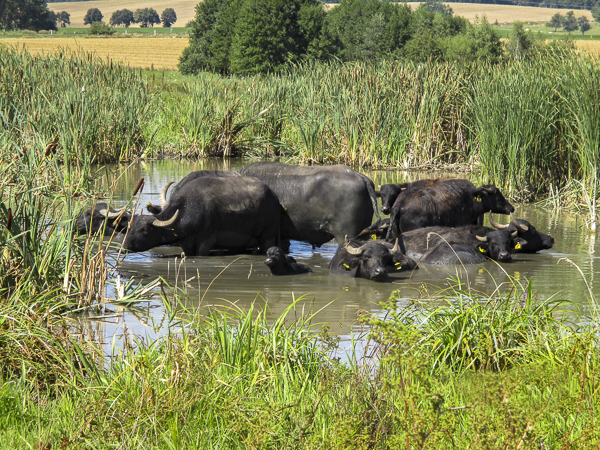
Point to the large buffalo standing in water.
(101, 218)
(211, 212)
(320, 203)
(444, 204)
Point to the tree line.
(144, 16)
(250, 36)
(570, 23)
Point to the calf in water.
(280, 264)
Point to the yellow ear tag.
(478, 199)
(373, 236)
(481, 250)
(398, 266)
(149, 203)
(518, 246)
(346, 266)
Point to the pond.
(242, 279)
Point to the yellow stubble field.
(145, 52)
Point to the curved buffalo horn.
(163, 195)
(517, 225)
(498, 225)
(166, 223)
(112, 214)
(353, 251)
(514, 234)
(396, 248)
(482, 239)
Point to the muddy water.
(218, 280)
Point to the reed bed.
(530, 125)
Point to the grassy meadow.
(461, 370)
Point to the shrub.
(101, 28)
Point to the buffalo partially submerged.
(536, 240)
(372, 260)
(444, 204)
(282, 264)
(211, 212)
(320, 203)
(101, 218)
(390, 192)
(469, 244)
(153, 209)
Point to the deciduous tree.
(556, 21)
(26, 15)
(168, 17)
(122, 17)
(146, 16)
(64, 18)
(584, 24)
(93, 15)
(570, 22)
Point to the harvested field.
(185, 10)
(160, 53)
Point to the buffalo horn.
(166, 223)
(482, 239)
(396, 248)
(112, 215)
(163, 195)
(514, 234)
(498, 225)
(518, 226)
(353, 251)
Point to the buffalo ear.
(378, 194)
(482, 247)
(152, 209)
(518, 243)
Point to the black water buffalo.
(282, 264)
(101, 218)
(153, 209)
(320, 203)
(373, 260)
(468, 244)
(211, 212)
(444, 204)
(389, 192)
(536, 240)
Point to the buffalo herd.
(266, 204)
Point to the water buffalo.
(536, 240)
(320, 203)
(101, 218)
(280, 264)
(211, 212)
(372, 260)
(389, 192)
(468, 244)
(153, 209)
(444, 204)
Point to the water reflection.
(218, 280)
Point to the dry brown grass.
(161, 53)
(185, 10)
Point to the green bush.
(101, 28)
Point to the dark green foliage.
(101, 28)
(93, 15)
(556, 21)
(64, 18)
(168, 17)
(584, 24)
(596, 12)
(122, 17)
(26, 15)
(570, 22)
(146, 17)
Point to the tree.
(122, 17)
(101, 28)
(596, 11)
(26, 15)
(570, 22)
(64, 18)
(519, 42)
(584, 24)
(93, 15)
(146, 16)
(168, 17)
(556, 21)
